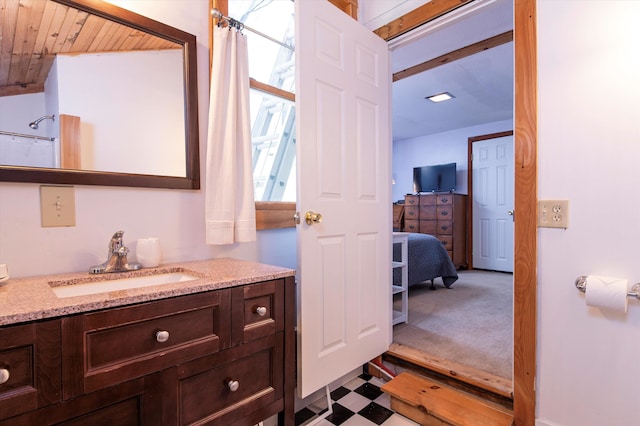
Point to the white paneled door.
(493, 200)
(343, 154)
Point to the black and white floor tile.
(360, 402)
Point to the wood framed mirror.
(118, 90)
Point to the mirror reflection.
(91, 87)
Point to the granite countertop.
(32, 298)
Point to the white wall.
(589, 147)
(446, 147)
(176, 216)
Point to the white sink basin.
(106, 286)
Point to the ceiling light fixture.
(441, 97)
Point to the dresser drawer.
(445, 227)
(412, 225)
(445, 212)
(129, 342)
(213, 389)
(257, 311)
(428, 227)
(30, 367)
(445, 199)
(411, 212)
(447, 242)
(411, 200)
(428, 212)
(428, 200)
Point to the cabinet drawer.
(205, 394)
(411, 212)
(428, 200)
(30, 361)
(445, 212)
(411, 200)
(129, 342)
(445, 199)
(445, 227)
(412, 225)
(428, 227)
(428, 212)
(257, 311)
(447, 242)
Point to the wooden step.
(432, 403)
(499, 386)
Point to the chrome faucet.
(116, 258)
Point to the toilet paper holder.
(581, 284)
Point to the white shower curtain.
(230, 207)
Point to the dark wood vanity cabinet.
(223, 357)
(29, 367)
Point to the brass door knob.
(312, 217)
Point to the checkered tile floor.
(359, 402)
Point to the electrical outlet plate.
(553, 213)
(57, 206)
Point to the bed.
(427, 260)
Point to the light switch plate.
(57, 206)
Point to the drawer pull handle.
(261, 310)
(233, 385)
(162, 336)
(4, 375)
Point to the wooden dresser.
(442, 215)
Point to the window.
(272, 99)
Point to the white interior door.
(343, 86)
(493, 200)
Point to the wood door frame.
(470, 142)
(525, 176)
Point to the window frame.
(274, 214)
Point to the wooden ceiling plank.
(74, 28)
(104, 35)
(133, 38)
(118, 38)
(39, 49)
(66, 31)
(455, 55)
(45, 66)
(20, 90)
(52, 45)
(421, 15)
(26, 30)
(87, 35)
(8, 19)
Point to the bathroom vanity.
(218, 349)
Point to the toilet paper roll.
(607, 292)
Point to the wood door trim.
(525, 230)
(419, 16)
(525, 248)
(470, 142)
(455, 55)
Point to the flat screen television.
(436, 178)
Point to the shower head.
(34, 124)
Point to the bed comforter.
(428, 259)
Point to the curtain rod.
(239, 26)
(22, 135)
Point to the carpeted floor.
(470, 323)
